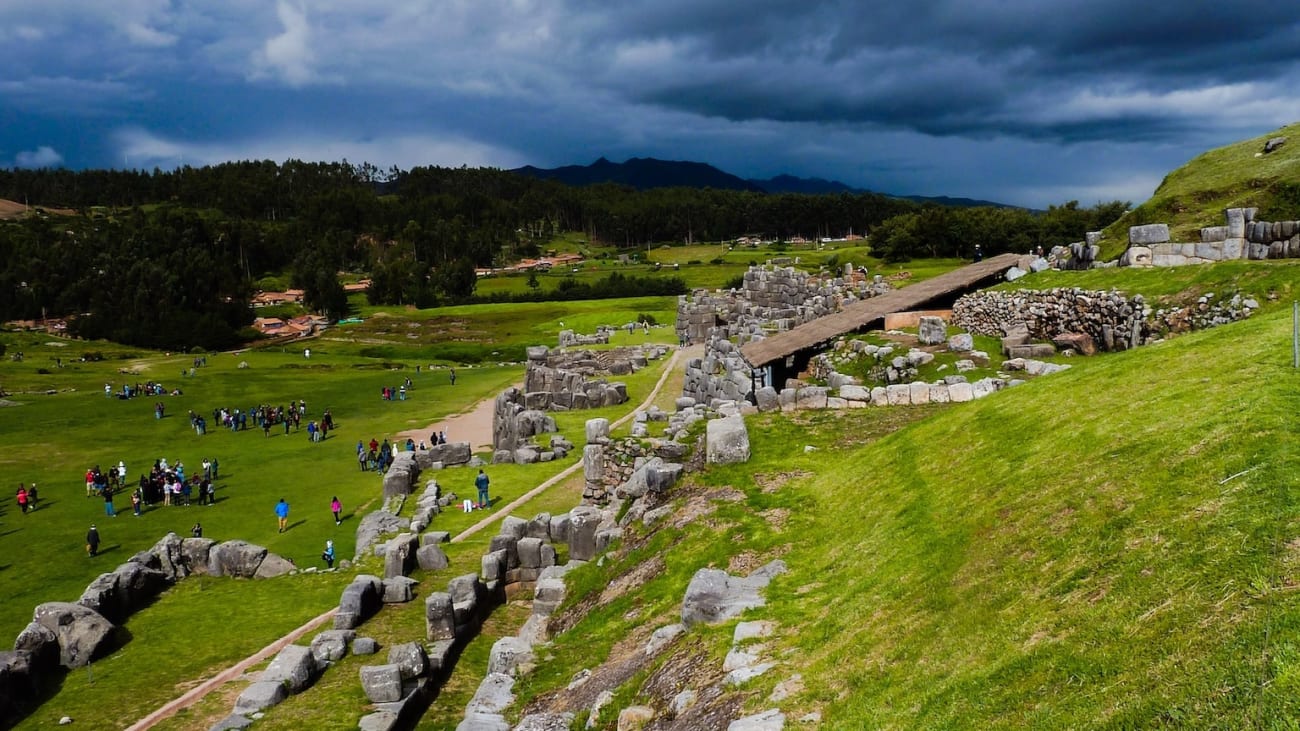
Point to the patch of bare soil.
(632, 579)
(770, 483)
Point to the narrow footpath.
(471, 424)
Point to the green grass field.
(1110, 547)
(56, 422)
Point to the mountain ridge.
(647, 173)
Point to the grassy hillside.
(1110, 547)
(1194, 195)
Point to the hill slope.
(1194, 195)
(1111, 547)
(642, 173)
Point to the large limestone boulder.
(410, 659)
(382, 683)
(359, 601)
(584, 520)
(714, 595)
(431, 557)
(931, 331)
(259, 696)
(439, 617)
(40, 644)
(83, 633)
(331, 645)
(295, 667)
(400, 558)
(508, 653)
(235, 558)
(727, 440)
(376, 524)
(195, 553)
(1151, 233)
(274, 565)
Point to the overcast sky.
(1029, 102)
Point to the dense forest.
(167, 258)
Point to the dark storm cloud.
(984, 98)
(949, 68)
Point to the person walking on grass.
(282, 512)
(92, 541)
(108, 502)
(481, 482)
(336, 507)
(328, 554)
(22, 498)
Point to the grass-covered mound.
(1110, 547)
(1194, 195)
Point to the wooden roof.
(859, 315)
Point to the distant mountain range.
(644, 173)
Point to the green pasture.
(1108, 547)
(55, 422)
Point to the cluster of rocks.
(1208, 311)
(770, 299)
(1242, 237)
(536, 569)
(403, 475)
(563, 380)
(1112, 320)
(627, 468)
(1077, 256)
(569, 339)
(514, 426)
(448, 454)
(70, 635)
(713, 596)
(721, 373)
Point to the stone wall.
(1112, 320)
(1242, 237)
(770, 299)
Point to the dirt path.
(473, 426)
(466, 424)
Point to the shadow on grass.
(295, 524)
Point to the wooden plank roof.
(860, 314)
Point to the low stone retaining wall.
(1242, 237)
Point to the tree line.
(167, 258)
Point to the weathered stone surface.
(1081, 343)
(545, 722)
(274, 565)
(295, 667)
(410, 659)
(1139, 256)
(259, 696)
(770, 720)
(378, 721)
(662, 637)
(41, 646)
(364, 646)
(961, 343)
(714, 596)
(931, 331)
(960, 393)
(727, 440)
(597, 431)
(235, 558)
(382, 683)
(233, 722)
(431, 557)
(439, 617)
(399, 589)
(1151, 233)
(494, 695)
(399, 558)
(360, 600)
(331, 645)
(83, 634)
(583, 523)
(634, 717)
(507, 654)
